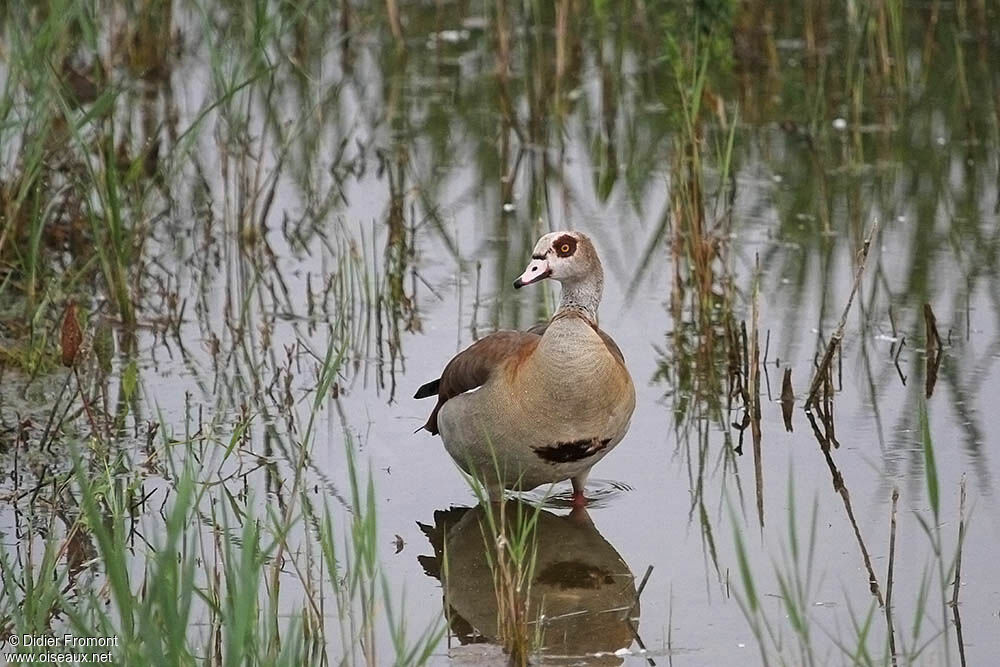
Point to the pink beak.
(536, 271)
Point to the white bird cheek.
(557, 268)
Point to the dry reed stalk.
(392, 8)
(838, 335)
(888, 579)
(958, 574)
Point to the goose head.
(566, 257)
(570, 259)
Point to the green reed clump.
(62, 178)
(199, 592)
(79, 179)
(510, 549)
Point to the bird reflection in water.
(581, 587)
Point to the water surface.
(349, 192)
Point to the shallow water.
(381, 202)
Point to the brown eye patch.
(565, 245)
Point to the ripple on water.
(599, 492)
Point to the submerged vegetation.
(232, 233)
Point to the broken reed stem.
(787, 399)
(86, 405)
(895, 360)
(55, 409)
(838, 335)
(961, 541)
(744, 384)
(888, 578)
(932, 351)
(628, 620)
(932, 335)
(872, 579)
(754, 378)
(638, 593)
(840, 486)
(958, 574)
(754, 391)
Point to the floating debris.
(787, 399)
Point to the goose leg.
(579, 483)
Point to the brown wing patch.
(473, 366)
(539, 329)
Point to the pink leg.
(579, 482)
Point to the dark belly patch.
(574, 574)
(574, 450)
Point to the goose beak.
(537, 270)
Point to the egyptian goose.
(522, 409)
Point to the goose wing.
(473, 366)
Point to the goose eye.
(564, 246)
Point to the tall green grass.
(510, 549)
(222, 578)
(202, 593)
